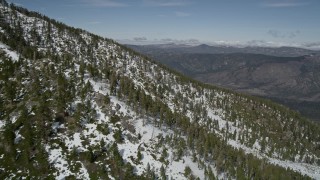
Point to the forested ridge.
(74, 104)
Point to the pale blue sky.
(277, 21)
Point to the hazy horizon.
(249, 22)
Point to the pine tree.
(162, 173)
(187, 171)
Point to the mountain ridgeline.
(291, 78)
(220, 49)
(76, 105)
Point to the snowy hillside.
(76, 105)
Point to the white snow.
(13, 55)
(83, 173)
(312, 171)
(58, 160)
(2, 124)
(13, 119)
(18, 137)
(75, 142)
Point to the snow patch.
(13, 55)
(18, 137)
(2, 124)
(59, 162)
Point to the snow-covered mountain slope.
(76, 105)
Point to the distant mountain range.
(207, 49)
(286, 74)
